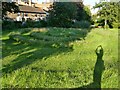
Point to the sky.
(86, 2)
(91, 3)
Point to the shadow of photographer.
(99, 67)
(98, 70)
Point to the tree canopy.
(61, 14)
(83, 12)
(107, 11)
(64, 13)
(9, 7)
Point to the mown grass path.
(57, 57)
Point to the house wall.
(23, 15)
(30, 15)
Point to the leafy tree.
(80, 9)
(9, 7)
(87, 13)
(108, 12)
(83, 12)
(62, 13)
(93, 19)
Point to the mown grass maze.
(58, 58)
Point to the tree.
(62, 13)
(9, 7)
(108, 12)
(80, 9)
(83, 12)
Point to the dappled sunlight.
(8, 59)
(30, 45)
(32, 50)
(39, 30)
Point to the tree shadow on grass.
(98, 70)
(31, 52)
(9, 48)
(31, 56)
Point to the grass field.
(57, 57)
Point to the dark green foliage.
(29, 23)
(7, 25)
(83, 12)
(82, 24)
(43, 23)
(36, 24)
(18, 24)
(80, 8)
(87, 13)
(76, 24)
(62, 14)
(11, 24)
(9, 7)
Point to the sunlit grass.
(57, 57)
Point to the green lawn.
(57, 57)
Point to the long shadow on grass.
(98, 70)
(42, 45)
(9, 48)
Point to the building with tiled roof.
(30, 9)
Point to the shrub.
(18, 24)
(36, 24)
(29, 24)
(76, 24)
(115, 25)
(8, 25)
(22, 31)
(11, 24)
(82, 24)
(43, 23)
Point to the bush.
(115, 25)
(8, 25)
(82, 24)
(29, 24)
(76, 24)
(43, 23)
(18, 24)
(36, 24)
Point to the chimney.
(30, 3)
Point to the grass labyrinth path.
(57, 57)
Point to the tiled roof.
(30, 9)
